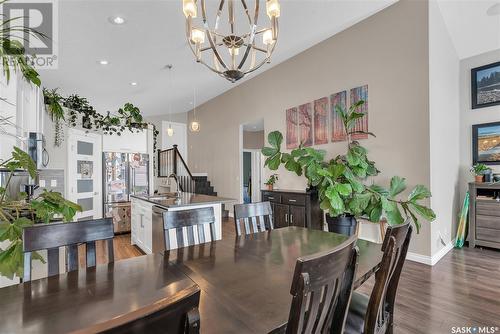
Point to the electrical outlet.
(42, 184)
(53, 183)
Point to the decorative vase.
(342, 224)
(479, 178)
(269, 187)
(488, 176)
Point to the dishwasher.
(158, 237)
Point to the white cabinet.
(127, 142)
(142, 225)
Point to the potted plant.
(271, 181)
(479, 171)
(17, 214)
(340, 181)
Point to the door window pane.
(85, 148)
(86, 203)
(85, 168)
(85, 186)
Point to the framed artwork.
(357, 94)
(321, 121)
(485, 86)
(486, 143)
(305, 124)
(337, 127)
(292, 136)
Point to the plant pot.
(479, 178)
(86, 122)
(269, 187)
(343, 224)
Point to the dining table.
(244, 281)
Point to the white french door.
(85, 173)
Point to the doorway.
(251, 143)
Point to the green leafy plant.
(17, 214)
(272, 179)
(12, 51)
(479, 169)
(54, 101)
(341, 181)
(132, 117)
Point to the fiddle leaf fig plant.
(18, 214)
(342, 181)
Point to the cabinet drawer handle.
(292, 200)
(291, 219)
(286, 217)
(270, 197)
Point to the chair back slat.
(91, 256)
(321, 290)
(72, 257)
(53, 261)
(380, 312)
(188, 220)
(252, 217)
(51, 237)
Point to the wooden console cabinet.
(484, 215)
(294, 208)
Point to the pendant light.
(195, 125)
(170, 131)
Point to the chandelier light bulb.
(234, 51)
(197, 36)
(189, 8)
(273, 8)
(267, 37)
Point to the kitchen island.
(147, 223)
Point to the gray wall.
(468, 117)
(388, 51)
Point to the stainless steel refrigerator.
(124, 174)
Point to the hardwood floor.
(462, 290)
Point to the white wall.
(443, 130)
(468, 117)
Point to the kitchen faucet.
(178, 193)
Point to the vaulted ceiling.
(154, 36)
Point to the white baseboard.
(431, 260)
(199, 174)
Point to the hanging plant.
(128, 117)
(53, 101)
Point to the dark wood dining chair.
(188, 219)
(375, 314)
(178, 315)
(321, 290)
(52, 236)
(255, 217)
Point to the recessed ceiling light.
(494, 10)
(116, 20)
(103, 62)
(133, 84)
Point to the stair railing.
(170, 162)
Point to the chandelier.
(223, 47)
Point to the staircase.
(171, 162)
